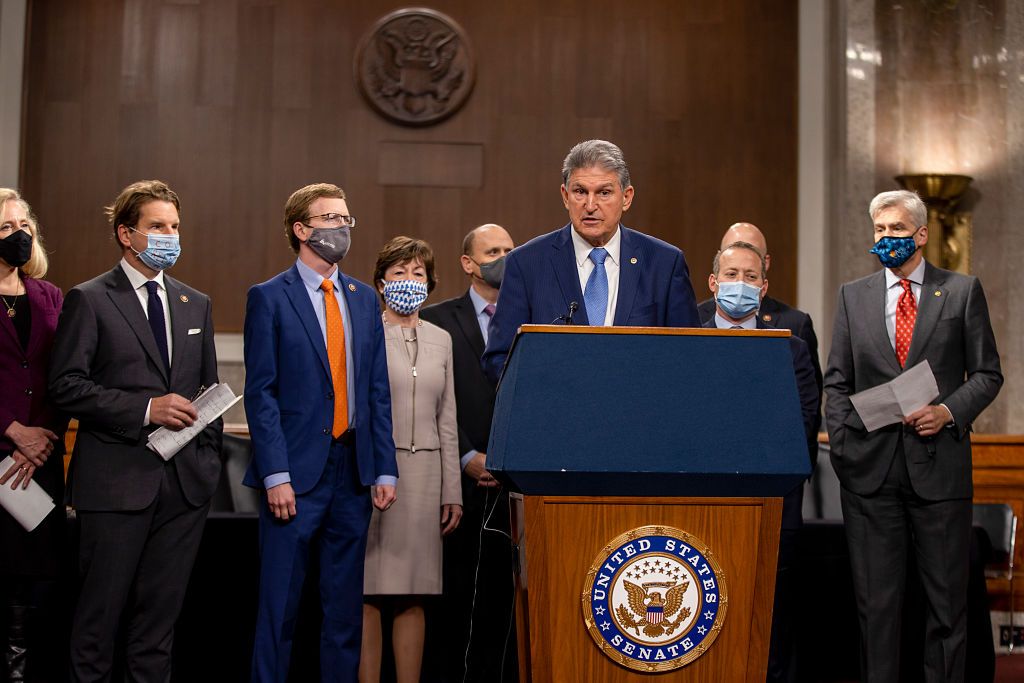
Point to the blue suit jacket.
(289, 397)
(541, 281)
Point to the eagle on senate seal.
(652, 610)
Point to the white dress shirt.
(138, 282)
(584, 267)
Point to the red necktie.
(906, 315)
(336, 358)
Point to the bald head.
(487, 230)
(749, 233)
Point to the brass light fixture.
(949, 230)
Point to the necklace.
(10, 307)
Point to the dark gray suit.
(141, 518)
(899, 490)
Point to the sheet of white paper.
(888, 403)
(28, 506)
(915, 388)
(210, 405)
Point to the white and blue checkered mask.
(404, 296)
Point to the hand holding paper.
(29, 506)
(210, 405)
(891, 402)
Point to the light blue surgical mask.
(161, 252)
(738, 299)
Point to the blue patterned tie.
(596, 296)
(155, 312)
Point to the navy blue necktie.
(155, 311)
(595, 298)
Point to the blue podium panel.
(618, 411)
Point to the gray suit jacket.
(954, 335)
(106, 367)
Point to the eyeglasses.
(334, 220)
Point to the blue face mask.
(738, 299)
(161, 252)
(893, 252)
(404, 296)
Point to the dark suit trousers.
(881, 530)
(335, 514)
(135, 565)
(478, 634)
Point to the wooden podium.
(682, 441)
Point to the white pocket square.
(195, 330)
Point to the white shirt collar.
(917, 276)
(583, 247)
(139, 280)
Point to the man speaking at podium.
(594, 271)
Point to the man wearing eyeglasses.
(318, 403)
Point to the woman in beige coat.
(403, 553)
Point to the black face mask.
(16, 248)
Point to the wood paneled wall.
(236, 103)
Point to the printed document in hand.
(28, 506)
(888, 403)
(210, 405)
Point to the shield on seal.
(655, 613)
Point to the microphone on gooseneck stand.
(567, 319)
(572, 311)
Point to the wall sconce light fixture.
(949, 230)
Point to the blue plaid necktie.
(596, 296)
(155, 311)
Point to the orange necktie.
(336, 358)
(906, 316)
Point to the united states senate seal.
(654, 599)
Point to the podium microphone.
(567, 319)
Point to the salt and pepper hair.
(600, 153)
(740, 245)
(38, 262)
(902, 198)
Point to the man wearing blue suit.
(319, 408)
(593, 271)
(739, 283)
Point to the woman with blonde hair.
(403, 552)
(31, 432)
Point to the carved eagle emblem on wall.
(415, 66)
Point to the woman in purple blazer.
(30, 431)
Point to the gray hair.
(902, 198)
(599, 153)
(741, 245)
